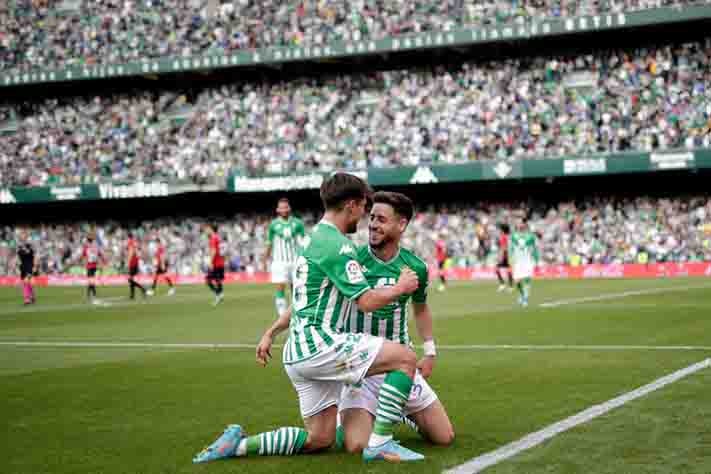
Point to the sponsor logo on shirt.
(353, 272)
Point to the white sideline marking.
(565, 347)
(147, 345)
(507, 451)
(624, 294)
(241, 345)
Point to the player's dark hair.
(505, 228)
(341, 188)
(401, 204)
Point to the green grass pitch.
(120, 409)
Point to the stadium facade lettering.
(423, 175)
(459, 38)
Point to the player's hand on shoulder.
(408, 281)
(264, 350)
(426, 366)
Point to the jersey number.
(301, 274)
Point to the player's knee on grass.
(435, 425)
(319, 441)
(444, 437)
(357, 426)
(355, 446)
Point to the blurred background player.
(524, 253)
(132, 257)
(91, 253)
(28, 267)
(284, 239)
(441, 255)
(216, 267)
(161, 269)
(503, 265)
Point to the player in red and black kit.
(441, 255)
(503, 263)
(28, 267)
(132, 257)
(216, 270)
(91, 253)
(161, 266)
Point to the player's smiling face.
(384, 226)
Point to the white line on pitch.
(565, 347)
(624, 294)
(241, 345)
(507, 451)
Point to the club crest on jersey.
(353, 272)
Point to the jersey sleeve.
(270, 233)
(340, 264)
(300, 228)
(420, 295)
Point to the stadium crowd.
(596, 230)
(610, 101)
(55, 33)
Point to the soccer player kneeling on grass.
(382, 260)
(524, 253)
(318, 356)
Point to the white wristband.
(430, 349)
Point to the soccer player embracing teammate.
(319, 357)
(382, 260)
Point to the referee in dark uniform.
(28, 268)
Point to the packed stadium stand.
(597, 230)
(641, 99)
(56, 33)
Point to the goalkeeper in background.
(523, 252)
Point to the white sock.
(242, 448)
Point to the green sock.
(392, 398)
(340, 438)
(282, 442)
(280, 302)
(527, 287)
(519, 286)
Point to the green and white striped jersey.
(389, 322)
(523, 248)
(327, 279)
(283, 236)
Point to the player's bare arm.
(267, 254)
(375, 299)
(264, 348)
(423, 321)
